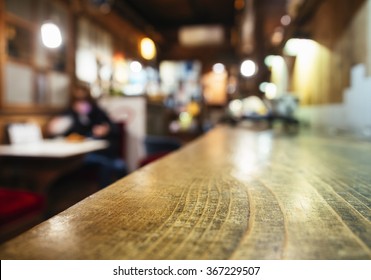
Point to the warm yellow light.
(147, 48)
(193, 108)
(120, 73)
(277, 36)
(294, 46)
(185, 120)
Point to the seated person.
(85, 119)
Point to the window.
(43, 72)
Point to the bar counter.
(231, 194)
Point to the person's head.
(81, 102)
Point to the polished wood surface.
(231, 194)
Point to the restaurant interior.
(201, 93)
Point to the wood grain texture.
(231, 194)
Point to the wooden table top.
(231, 194)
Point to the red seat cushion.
(15, 204)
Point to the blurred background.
(173, 67)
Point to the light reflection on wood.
(232, 194)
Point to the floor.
(68, 191)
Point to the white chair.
(24, 133)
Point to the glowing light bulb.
(218, 68)
(248, 68)
(51, 35)
(135, 66)
(147, 48)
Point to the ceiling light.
(135, 66)
(200, 35)
(147, 48)
(51, 35)
(295, 45)
(248, 68)
(218, 68)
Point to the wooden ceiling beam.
(125, 11)
(306, 11)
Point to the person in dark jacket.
(85, 119)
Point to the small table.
(39, 164)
